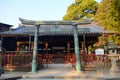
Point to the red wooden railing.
(23, 61)
(95, 59)
(19, 61)
(47, 59)
(69, 58)
(15, 61)
(88, 57)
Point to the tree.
(115, 38)
(108, 15)
(116, 6)
(81, 9)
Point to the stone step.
(56, 79)
(58, 65)
(60, 78)
(89, 68)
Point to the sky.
(12, 10)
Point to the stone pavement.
(12, 75)
(70, 74)
(58, 73)
(61, 72)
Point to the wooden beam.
(68, 47)
(46, 47)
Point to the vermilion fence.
(95, 60)
(70, 58)
(13, 61)
(17, 61)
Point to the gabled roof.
(3, 24)
(4, 27)
(56, 28)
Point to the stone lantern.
(113, 50)
(112, 47)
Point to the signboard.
(99, 51)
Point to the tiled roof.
(57, 29)
(3, 24)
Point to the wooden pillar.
(1, 44)
(83, 47)
(85, 51)
(46, 47)
(68, 47)
(32, 45)
(29, 42)
(18, 46)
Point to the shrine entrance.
(57, 50)
(54, 49)
(54, 41)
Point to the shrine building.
(54, 36)
(50, 41)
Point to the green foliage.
(116, 5)
(115, 38)
(108, 15)
(110, 37)
(81, 8)
(90, 48)
(104, 41)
